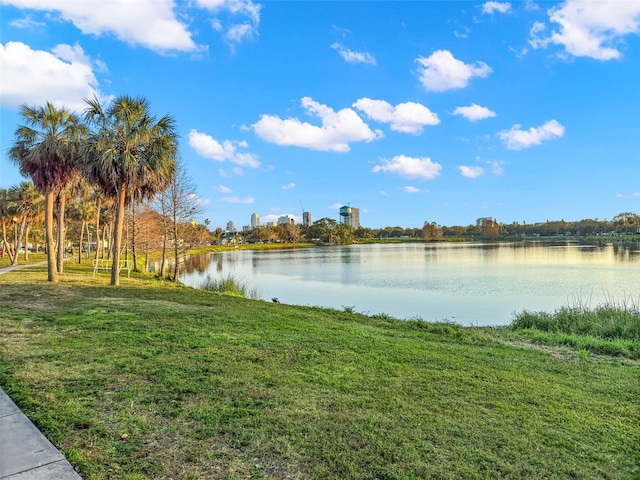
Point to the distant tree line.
(111, 184)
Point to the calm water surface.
(478, 284)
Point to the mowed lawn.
(152, 380)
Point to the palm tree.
(131, 155)
(82, 209)
(27, 201)
(46, 149)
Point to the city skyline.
(415, 111)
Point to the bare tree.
(178, 206)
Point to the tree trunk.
(81, 239)
(176, 254)
(117, 234)
(26, 242)
(62, 204)
(133, 237)
(18, 244)
(98, 243)
(52, 269)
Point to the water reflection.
(483, 283)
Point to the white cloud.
(409, 117)
(338, 129)
(471, 172)
(351, 56)
(474, 112)
(411, 189)
(27, 23)
(208, 147)
(462, 33)
(496, 166)
(222, 189)
(441, 71)
(288, 186)
(33, 77)
(245, 200)
(149, 23)
(518, 139)
(630, 195)
(410, 167)
(243, 21)
(493, 7)
(590, 28)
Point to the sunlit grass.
(155, 380)
(229, 285)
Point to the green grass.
(229, 285)
(611, 329)
(212, 386)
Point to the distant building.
(285, 220)
(255, 220)
(306, 219)
(271, 224)
(230, 226)
(350, 216)
(483, 221)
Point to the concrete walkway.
(25, 453)
(12, 268)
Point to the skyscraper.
(306, 219)
(255, 220)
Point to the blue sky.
(409, 110)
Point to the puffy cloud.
(588, 28)
(493, 7)
(288, 186)
(474, 112)
(222, 189)
(63, 77)
(471, 172)
(338, 129)
(410, 167)
(208, 147)
(245, 200)
(411, 189)
(354, 57)
(409, 117)
(149, 23)
(243, 21)
(518, 139)
(441, 71)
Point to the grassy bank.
(156, 380)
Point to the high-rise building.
(350, 216)
(285, 220)
(230, 226)
(255, 220)
(306, 219)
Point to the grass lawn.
(152, 380)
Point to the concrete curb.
(25, 453)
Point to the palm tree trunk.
(98, 243)
(26, 242)
(62, 205)
(52, 269)
(80, 246)
(19, 243)
(117, 234)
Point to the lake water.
(467, 283)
